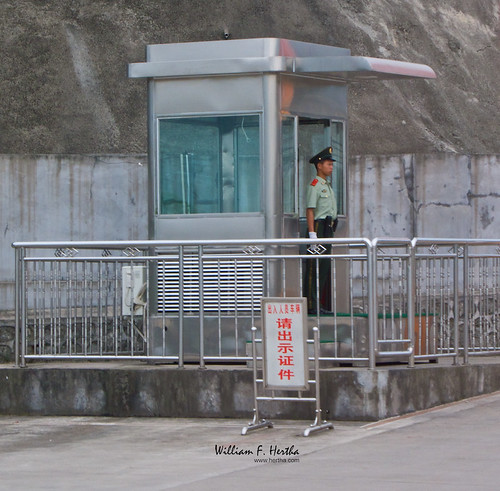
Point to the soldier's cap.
(325, 154)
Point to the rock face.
(65, 89)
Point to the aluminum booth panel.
(214, 95)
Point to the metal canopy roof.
(269, 55)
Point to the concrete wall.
(68, 197)
(77, 197)
(135, 390)
(435, 195)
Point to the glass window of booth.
(209, 165)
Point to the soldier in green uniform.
(321, 214)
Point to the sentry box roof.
(269, 55)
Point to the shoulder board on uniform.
(314, 182)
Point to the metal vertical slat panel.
(228, 285)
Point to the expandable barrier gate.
(285, 360)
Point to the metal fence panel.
(197, 301)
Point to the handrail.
(404, 302)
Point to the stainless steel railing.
(196, 301)
(459, 287)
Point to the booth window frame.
(257, 210)
(304, 172)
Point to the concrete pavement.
(450, 447)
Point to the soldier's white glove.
(313, 247)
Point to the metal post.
(17, 309)
(372, 303)
(272, 154)
(181, 307)
(22, 305)
(466, 304)
(254, 367)
(456, 310)
(152, 161)
(272, 192)
(256, 423)
(318, 423)
(18, 303)
(411, 304)
(318, 292)
(202, 313)
(316, 373)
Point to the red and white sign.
(284, 335)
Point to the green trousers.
(313, 288)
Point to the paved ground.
(451, 447)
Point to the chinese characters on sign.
(285, 337)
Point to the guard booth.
(232, 126)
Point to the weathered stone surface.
(64, 82)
